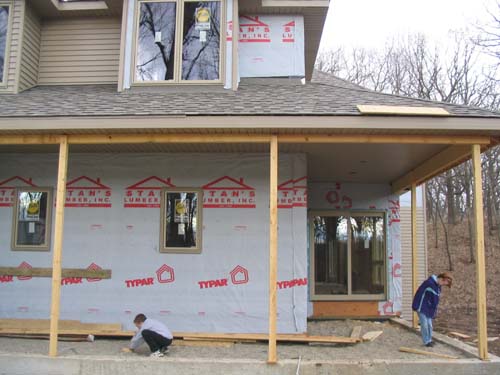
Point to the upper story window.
(4, 30)
(178, 41)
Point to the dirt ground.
(457, 310)
(384, 347)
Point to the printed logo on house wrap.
(146, 193)
(253, 30)
(291, 283)
(288, 35)
(24, 265)
(394, 212)
(238, 275)
(8, 189)
(227, 192)
(337, 199)
(10, 278)
(293, 193)
(79, 280)
(86, 192)
(164, 275)
(229, 31)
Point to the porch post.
(58, 237)
(480, 261)
(273, 247)
(414, 249)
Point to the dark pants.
(155, 341)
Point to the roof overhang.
(424, 125)
(364, 149)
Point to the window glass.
(201, 40)
(367, 249)
(181, 221)
(156, 41)
(330, 244)
(4, 26)
(32, 220)
(349, 255)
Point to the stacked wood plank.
(75, 328)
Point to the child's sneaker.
(164, 350)
(156, 354)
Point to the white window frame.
(5, 77)
(349, 296)
(179, 32)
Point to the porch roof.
(407, 155)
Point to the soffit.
(360, 163)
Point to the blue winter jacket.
(426, 299)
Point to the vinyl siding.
(406, 256)
(13, 47)
(31, 51)
(80, 51)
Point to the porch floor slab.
(104, 356)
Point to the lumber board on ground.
(423, 352)
(264, 337)
(356, 332)
(71, 338)
(223, 344)
(372, 335)
(459, 335)
(47, 272)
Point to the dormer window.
(178, 42)
(4, 30)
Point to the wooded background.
(465, 71)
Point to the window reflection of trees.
(36, 235)
(4, 23)
(187, 237)
(200, 59)
(155, 59)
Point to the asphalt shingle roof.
(331, 97)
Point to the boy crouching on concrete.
(154, 333)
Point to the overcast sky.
(369, 23)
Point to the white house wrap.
(112, 221)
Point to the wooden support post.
(482, 334)
(235, 42)
(58, 238)
(273, 247)
(414, 250)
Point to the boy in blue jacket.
(426, 301)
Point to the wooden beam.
(423, 352)
(384, 139)
(273, 247)
(399, 110)
(482, 333)
(356, 332)
(238, 138)
(235, 43)
(438, 163)
(58, 241)
(414, 249)
(47, 272)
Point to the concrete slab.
(77, 365)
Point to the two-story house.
(173, 157)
